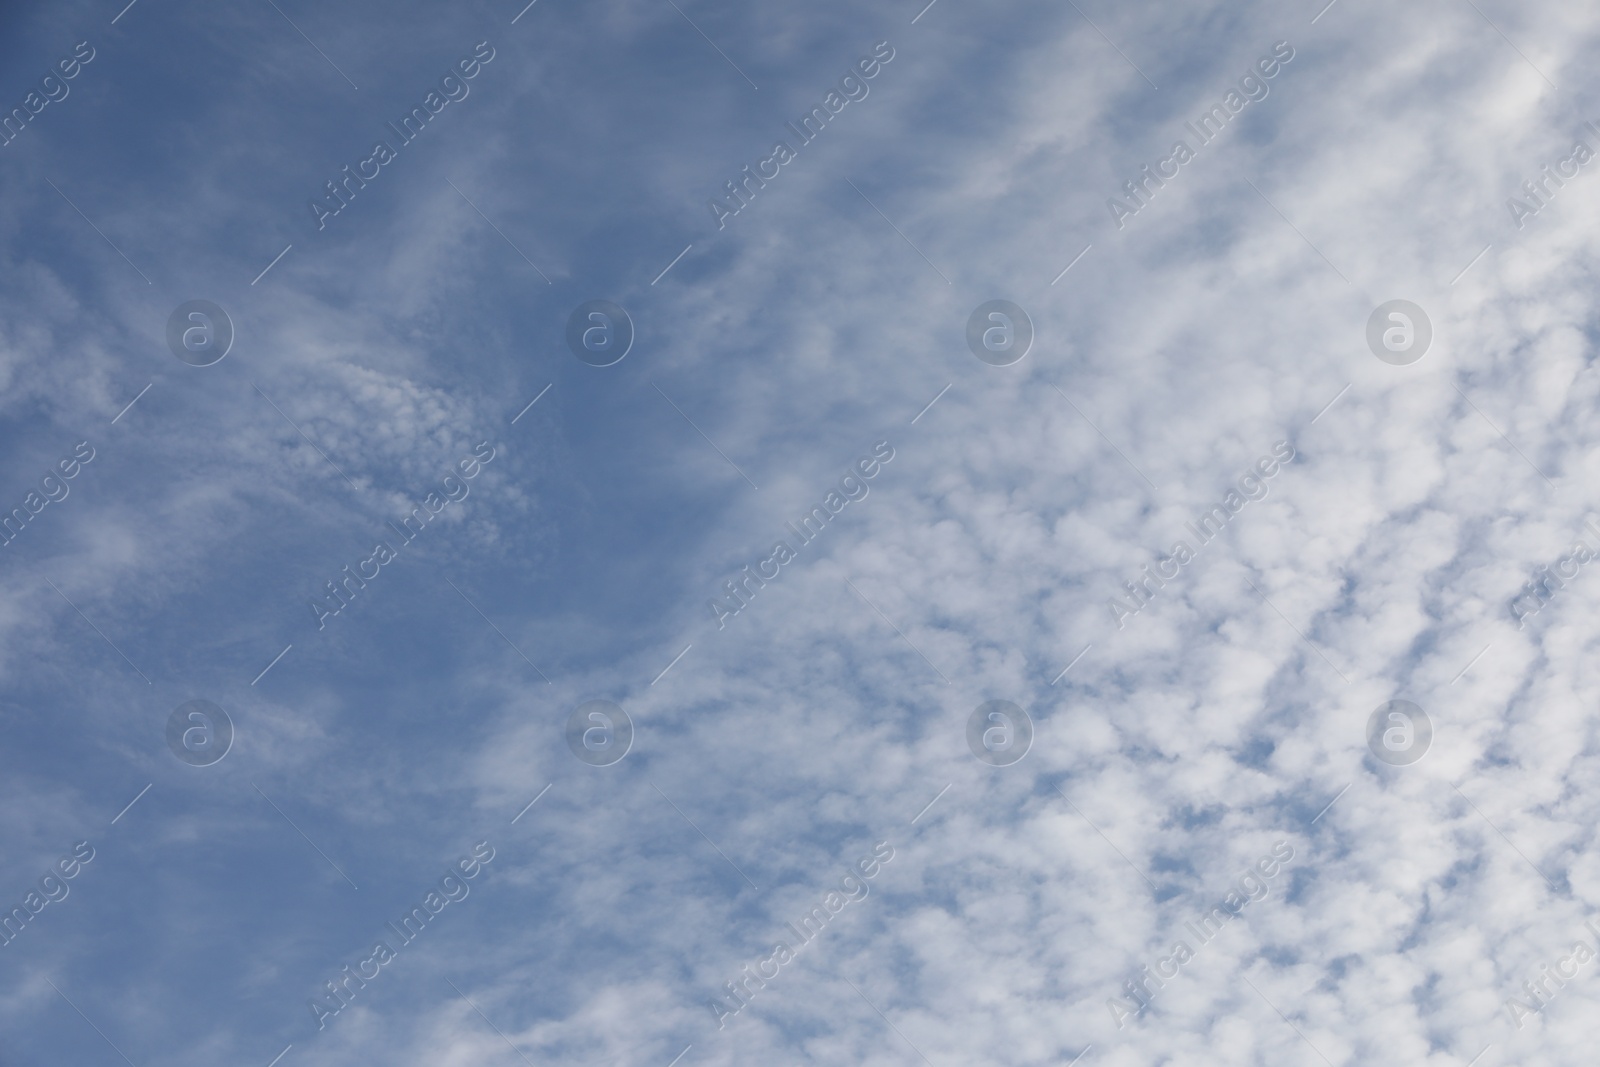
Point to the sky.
(1192, 665)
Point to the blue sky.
(1173, 748)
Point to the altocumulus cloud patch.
(831, 688)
